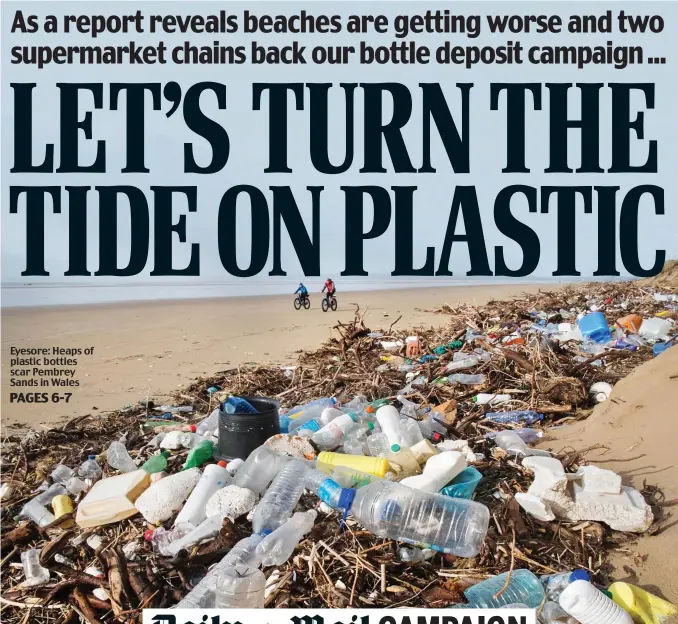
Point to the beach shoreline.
(153, 348)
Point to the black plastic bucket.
(240, 434)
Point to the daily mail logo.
(339, 616)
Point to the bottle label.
(329, 491)
(311, 425)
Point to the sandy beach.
(156, 347)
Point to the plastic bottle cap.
(346, 498)
(91, 457)
(579, 575)
(221, 463)
(370, 426)
(607, 593)
(395, 447)
(193, 428)
(370, 409)
(165, 454)
(475, 399)
(148, 534)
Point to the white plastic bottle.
(439, 470)
(491, 399)
(175, 440)
(214, 477)
(281, 498)
(331, 435)
(166, 496)
(588, 605)
(389, 420)
(278, 546)
(259, 469)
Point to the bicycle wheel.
(326, 304)
(333, 304)
(297, 303)
(307, 303)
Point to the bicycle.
(330, 301)
(300, 300)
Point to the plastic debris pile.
(405, 474)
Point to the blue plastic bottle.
(236, 405)
(660, 347)
(594, 327)
(524, 587)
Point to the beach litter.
(437, 433)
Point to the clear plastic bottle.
(90, 469)
(278, 546)
(62, 474)
(552, 613)
(555, 584)
(410, 432)
(328, 490)
(36, 512)
(329, 414)
(240, 588)
(297, 416)
(237, 405)
(355, 442)
(467, 380)
(45, 498)
(202, 596)
(172, 409)
(207, 529)
(409, 408)
(351, 478)
(588, 605)
(175, 440)
(411, 555)
(523, 587)
(527, 435)
(515, 416)
(378, 445)
(118, 458)
(331, 435)
(450, 525)
(462, 363)
(35, 574)
(281, 498)
(259, 469)
(209, 424)
(513, 444)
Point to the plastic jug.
(594, 327)
(159, 502)
(590, 606)
(373, 465)
(644, 607)
(112, 499)
(439, 470)
(214, 477)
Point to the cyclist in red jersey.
(329, 286)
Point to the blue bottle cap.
(395, 447)
(346, 498)
(579, 575)
(266, 531)
(91, 457)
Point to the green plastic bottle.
(156, 463)
(199, 454)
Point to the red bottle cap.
(221, 463)
(193, 428)
(148, 534)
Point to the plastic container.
(90, 469)
(404, 459)
(203, 595)
(202, 452)
(163, 498)
(297, 416)
(464, 484)
(410, 432)
(655, 329)
(467, 380)
(600, 391)
(156, 463)
(433, 521)
(36, 512)
(63, 506)
(277, 547)
(309, 428)
(491, 399)
(389, 420)
(438, 472)
(118, 458)
(328, 490)
(209, 425)
(240, 588)
(377, 466)
(44, 498)
(281, 498)
(513, 444)
(35, 574)
(555, 584)
(524, 587)
(588, 605)
(112, 499)
(214, 477)
(240, 434)
(259, 469)
(594, 327)
(515, 416)
(331, 435)
(644, 607)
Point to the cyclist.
(330, 287)
(301, 291)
